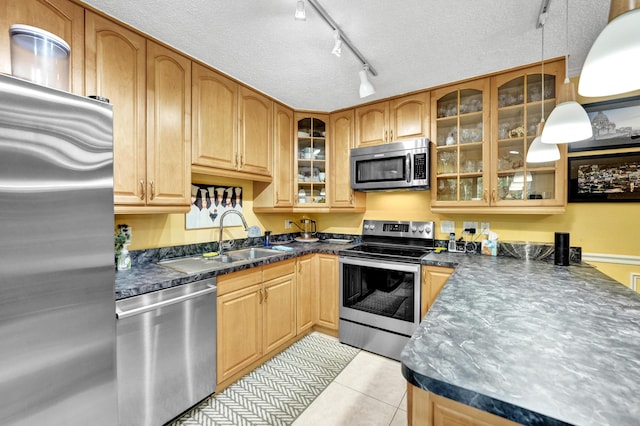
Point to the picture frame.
(616, 124)
(605, 178)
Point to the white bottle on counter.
(124, 259)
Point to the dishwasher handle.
(211, 288)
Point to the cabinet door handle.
(260, 296)
(153, 190)
(142, 192)
(391, 134)
(494, 195)
(385, 136)
(266, 294)
(299, 268)
(485, 196)
(241, 160)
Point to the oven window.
(379, 291)
(381, 170)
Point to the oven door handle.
(408, 168)
(380, 264)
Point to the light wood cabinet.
(239, 323)
(215, 119)
(433, 279)
(255, 112)
(429, 409)
(342, 131)
(482, 130)
(279, 304)
(326, 291)
(60, 17)
(310, 189)
(168, 180)
(399, 119)
(256, 314)
(305, 281)
(279, 192)
(116, 69)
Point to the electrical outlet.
(485, 228)
(287, 224)
(447, 226)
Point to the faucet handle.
(227, 245)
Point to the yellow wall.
(610, 228)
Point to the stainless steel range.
(380, 284)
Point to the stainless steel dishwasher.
(166, 352)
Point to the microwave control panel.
(420, 166)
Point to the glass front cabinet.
(311, 159)
(481, 140)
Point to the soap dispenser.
(124, 259)
(267, 238)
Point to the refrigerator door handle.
(137, 311)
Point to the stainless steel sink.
(199, 264)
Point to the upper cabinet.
(60, 17)
(168, 128)
(311, 160)
(279, 192)
(461, 134)
(399, 119)
(116, 69)
(232, 128)
(342, 131)
(482, 131)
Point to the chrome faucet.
(244, 222)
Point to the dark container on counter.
(561, 250)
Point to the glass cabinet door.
(519, 110)
(311, 161)
(461, 136)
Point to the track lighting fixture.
(337, 47)
(300, 14)
(366, 88)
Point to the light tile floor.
(369, 391)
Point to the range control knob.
(421, 229)
(414, 229)
(427, 229)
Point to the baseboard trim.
(611, 258)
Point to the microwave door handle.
(408, 168)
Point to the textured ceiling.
(412, 44)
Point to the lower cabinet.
(326, 291)
(426, 408)
(433, 279)
(304, 293)
(256, 314)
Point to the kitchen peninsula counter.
(530, 341)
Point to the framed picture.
(209, 202)
(616, 124)
(611, 177)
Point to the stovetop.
(394, 240)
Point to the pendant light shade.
(568, 122)
(366, 88)
(612, 65)
(540, 152)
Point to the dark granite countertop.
(148, 277)
(531, 341)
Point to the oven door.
(380, 294)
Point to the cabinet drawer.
(238, 280)
(279, 269)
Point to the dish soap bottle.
(124, 259)
(267, 238)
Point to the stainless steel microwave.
(393, 166)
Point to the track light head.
(337, 47)
(300, 14)
(366, 88)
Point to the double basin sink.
(198, 264)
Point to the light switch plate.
(447, 226)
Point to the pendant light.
(568, 122)
(539, 152)
(612, 65)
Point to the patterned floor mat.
(278, 391)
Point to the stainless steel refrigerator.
(57, 323)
